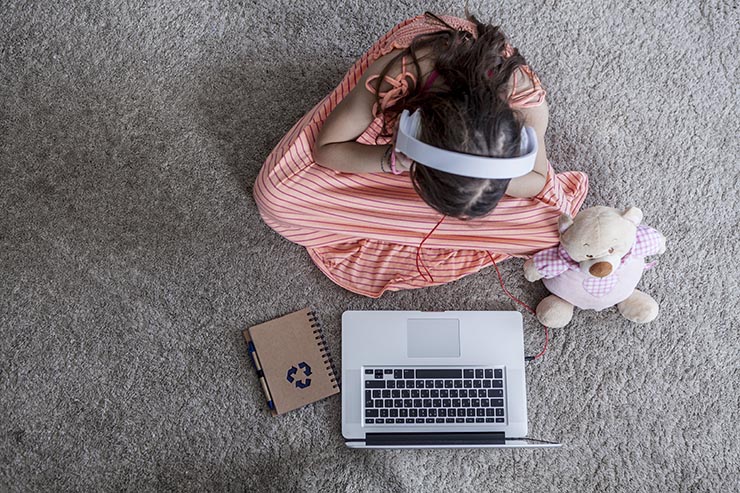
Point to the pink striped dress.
(370, 232)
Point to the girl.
(373, 220)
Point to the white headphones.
(463, 164)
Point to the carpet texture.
(132, 253)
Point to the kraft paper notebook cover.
(292, 360)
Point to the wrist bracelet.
(393, 163)
(384, 159)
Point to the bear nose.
(600, 269)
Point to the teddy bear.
(598, 263)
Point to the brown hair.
(469, 113)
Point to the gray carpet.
(132, 253)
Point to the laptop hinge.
(458, 438)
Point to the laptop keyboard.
(433, 396)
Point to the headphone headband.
(458, 163)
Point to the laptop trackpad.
(433, 337)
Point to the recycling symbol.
(301, 384)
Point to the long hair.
(468, 113)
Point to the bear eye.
(589, 256)
(611, 250)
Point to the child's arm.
(335, 147)
(532, 183)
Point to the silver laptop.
(434, 379)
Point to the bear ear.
(633, 215)
(564, 222)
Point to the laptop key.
(378, 374)
(497, 402)
(417, 403)
(439, 420)
(374, 384)
(470, 412)
(449, 420)
(479, 420)
(490, 412)
(446, 402)
(371, 413)
(401, 384)
(486, 384)
(480, 412)
(388, 371)
(422, 413)
(499, 411)
(470, 420)
(391, 384)
(442, 412)
(380, 421)
(458, 384)
(472, 393)
(500, 420)
(475, 402)
(434, 394)
(453, 393)
(419, 420)
(495, 393)
(456, 402)
(427, 403)
(397, 374)
(429, 384)
(432, 413)
(369, 403)
(485, 402)
(430, 420)
(479, 373)
(424, 394)
(395, 393)
(409, 420)
(437, 402)
(370, 421)
(490, 420)
(397, 402)
(477, 384)
(383, 413)
(413, 413)
(388, 403)
(452, 412)
(463, 393)
(405, 394)
(448, 384)
(409, 384)
(407, 374)
(368, 371)
(489, 373)
(403, 413)
(376, 394)
(467, 373)
(415, 394)
(497, 384)
(394, 413)
(468, 384)
(498, 373)
(465, 402)
(408, 403)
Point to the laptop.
(414, 379)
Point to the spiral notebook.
(292, 361)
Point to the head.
(475, 123)
(467, 113)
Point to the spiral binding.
(318, 332)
